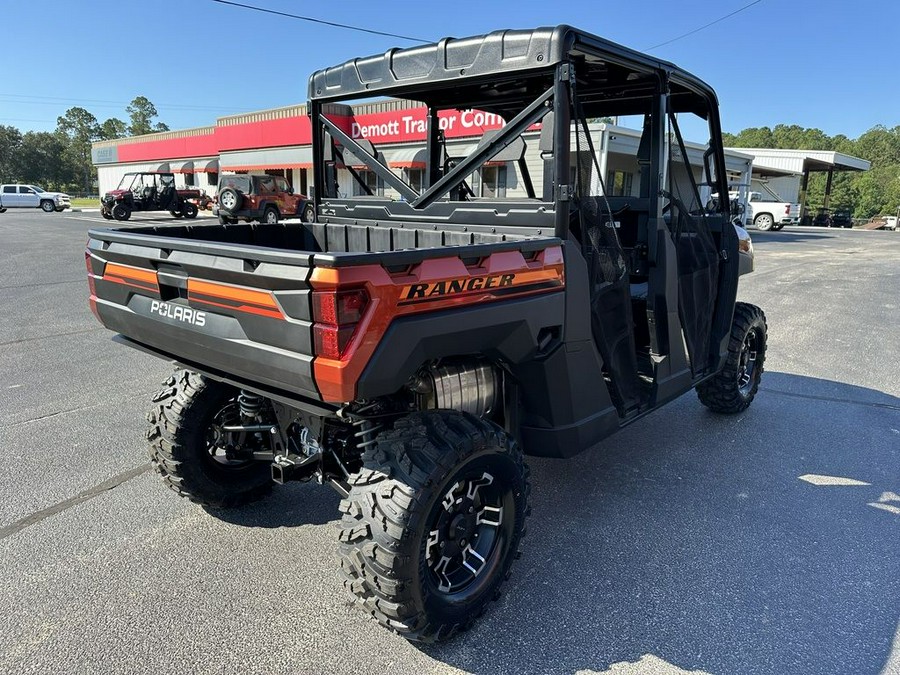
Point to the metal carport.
(802, 163)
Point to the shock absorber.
(251, 404)
(364, 433)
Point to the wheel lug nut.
(471, 509)
(443, 545)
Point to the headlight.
(745, 245)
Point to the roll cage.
(530, 77)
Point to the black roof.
(412, 72)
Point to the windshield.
(237, 181)
(127, 180)
(37, 188)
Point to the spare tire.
(230, 200)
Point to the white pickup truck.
(19, 196)
(769, 212)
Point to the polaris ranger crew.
(410, 349)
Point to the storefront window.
(414, 177)
(619, 183)
(493, 181)
(371, 179)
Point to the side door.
(287, 202)
(705, 240)
(10, 198)
(28, 198)
(266, 191)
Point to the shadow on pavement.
(289, 505)
(789, 235)
(689, 541)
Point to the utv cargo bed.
(235, 301)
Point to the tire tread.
(389, 496)
(173, 418)
(721, 393)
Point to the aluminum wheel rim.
(747, 363)
(467, 534)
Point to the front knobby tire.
(433, 523)
(734, 387)
(183, 451)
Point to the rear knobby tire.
(733, 388)
(180, 421)
(402, 518)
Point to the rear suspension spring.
(365, 432)
(251, 404)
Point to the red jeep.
(266, 199)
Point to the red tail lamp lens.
(339, 308)
(336, 314)
(331, 341)
(90, 271)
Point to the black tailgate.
(242, 310)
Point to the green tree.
(141, 112)
(43, 160)
(754, 137)
(10, 142)
(880, 145)
(80, 128)
(113, 128)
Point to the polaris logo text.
(179, 313)
(454, 286)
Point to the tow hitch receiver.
(294, 467)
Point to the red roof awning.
(264, 167)
(211, 166)
(408, 158)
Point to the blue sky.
(832, 65)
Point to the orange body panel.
(131, 276)
(432, 285)
(237, 298)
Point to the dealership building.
(277, 142)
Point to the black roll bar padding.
(545, 146)
(433, 153)
(562, 117)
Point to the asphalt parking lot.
(688, 542)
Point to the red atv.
(148, 191)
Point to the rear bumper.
(220, 347)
